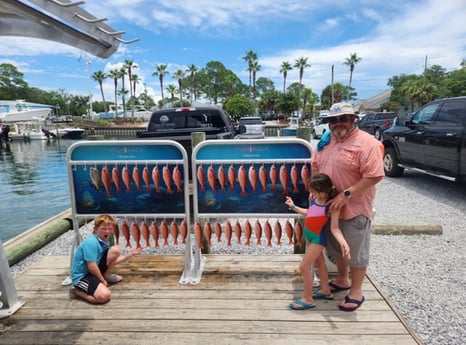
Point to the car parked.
(251, 127)
(376, 123)
(319, 128)
(432, 141)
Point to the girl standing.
(321, 191)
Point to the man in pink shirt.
(354, 161)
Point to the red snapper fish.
(156, 178)
(252, 174)
(174, 231)
(184, 231)
(237, 230)
(232, 177)
(305, 175)
(273, 174)
(242, 178)
(136, 233)
(106, 180)
(116, 179)
(212, 179)
(218, 231)
(116, 233)
(263, 178)
(208, 233)
(198, 234)
(164, 230)
(268, 233)
(247, 232)
(145, 232)
(258, 232)
(222, 177)
(167, 178)
(294, 178)
(228, 232)
(284, 178)
(154, 231)
(125, 231)
(146, 177)
(289, 232)
(177, 178)
(298, 229)
(277, 229)
(126, 178)
(201, 177)
(137, 178)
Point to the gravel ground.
(423, 275)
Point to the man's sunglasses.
(339, 119)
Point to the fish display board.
(248, 178)
(129, 178)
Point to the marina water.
(33, 184)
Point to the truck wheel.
(390, 163)
(378, 134)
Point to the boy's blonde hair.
(103, 219)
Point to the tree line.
(219, 85)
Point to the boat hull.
(289, 132)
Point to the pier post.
(8, 298)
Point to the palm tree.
(351, 62)
(123, 91)
(254, 68)
(192, 69)
(301, 64)
(179, 75)
(171, 89)
(115, 75)
(161, 72)
(284, 68)
(250, 57)
(134, 81)
(129, 66)
(99, 77)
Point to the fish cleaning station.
(236, 194)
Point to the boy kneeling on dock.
(94, 260)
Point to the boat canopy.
(61, 21)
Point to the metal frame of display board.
(129, 179)
(262, 171)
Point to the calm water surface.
(34, 184)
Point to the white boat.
(139, 113)
(292, 128)
(28, 130)
(21, 111)
(70, 133)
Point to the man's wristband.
(292, 207)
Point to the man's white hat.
(339, 109)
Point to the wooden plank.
(142, 302)
(213, 326)
(176, 338)
(285, 296)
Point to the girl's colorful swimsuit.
(316, 218)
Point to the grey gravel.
(424, 276)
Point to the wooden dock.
(241, 299)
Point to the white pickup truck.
(251, 127)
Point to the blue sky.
(391, 37)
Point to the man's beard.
(340, 132)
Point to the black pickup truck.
(376, 123)
(178, 123)
(431, 140)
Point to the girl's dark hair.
(323, 183)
